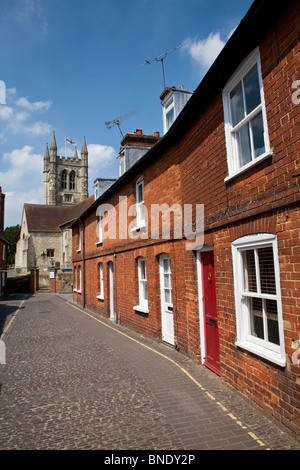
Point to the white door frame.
(111, 291)
(167, 315)
(201, 300)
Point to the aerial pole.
(161, 58)
(117, 121)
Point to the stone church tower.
(65, 179)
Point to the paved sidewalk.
(74, 380)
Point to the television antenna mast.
(161, 58)
(117, 121)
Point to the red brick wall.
(274, 388)
(265, 198)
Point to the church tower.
(65, 179)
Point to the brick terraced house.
(230, 298)
(3, 246)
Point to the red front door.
(212, 360)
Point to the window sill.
(248, 165)
(99, 243)
(78, 251)
(74, 290)
(262, 352)
(100, 297)
(139, 308)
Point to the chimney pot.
(139, 131)
(156, 134)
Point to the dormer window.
(173, 101)
(170, 115)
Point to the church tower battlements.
(65, 179)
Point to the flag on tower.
(71, 141)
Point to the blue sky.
(71, 65)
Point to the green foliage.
(12, 235)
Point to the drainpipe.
(83, 260)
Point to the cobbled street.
(74, 380)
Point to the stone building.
(65, 179)
(40, 243)
(45, 239)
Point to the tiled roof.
(76, 211)
(42, 218)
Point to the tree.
(12, 235)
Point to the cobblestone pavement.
(73, 380)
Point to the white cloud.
(24, 158)
(205, 51)
(19, 115)
(6, 113)
(14, 202)
(36, 106)
(23, 168)
(100, 156)
(37, 128)
(21, 181)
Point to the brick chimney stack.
(138, 139)
(134, 146)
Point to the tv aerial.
(161, 58)
(117, 121)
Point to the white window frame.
(168, 108)
(142, 281)
(75, 279)
(122, 163)
(79, 272)
(79, 238)
(101, 282)
(270, 351)
(4, 252)
(234, 167)
(140, 204)
(100, 230)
